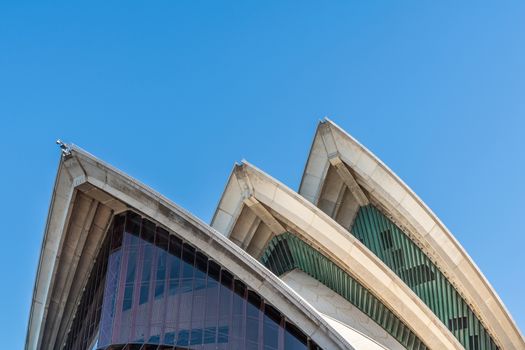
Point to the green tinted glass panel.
(404, 257)
(287, 252)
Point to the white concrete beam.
(264, 215)
(349, 180)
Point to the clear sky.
(174, 92)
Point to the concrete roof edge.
(249, 168)
(321, 122)
(434, 217)
(30, 323)
(76, 152)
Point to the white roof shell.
(86, 194)
(277, 205)
(411, 213)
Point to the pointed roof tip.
(64, 147)
(323, 121)
(246, 163)
(239, 166)
(327, 120)
(242, 163)
(326, 123)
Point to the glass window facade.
(287, 252)
(162, 293)
(415, 268)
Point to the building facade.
(353, 260)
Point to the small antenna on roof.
(66, 150)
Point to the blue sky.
(174, 93)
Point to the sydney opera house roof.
(353, 260)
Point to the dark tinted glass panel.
(147, 232)
(272, 327)
(160, 274)
(133, 222)
(294, 338)
(253, 316)
(147, 257)
(117, 231)
(162, 293)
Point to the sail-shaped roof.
(341, 176)
(86, 195)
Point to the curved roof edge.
(411, 212)
(81, 174)
(248, 184)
